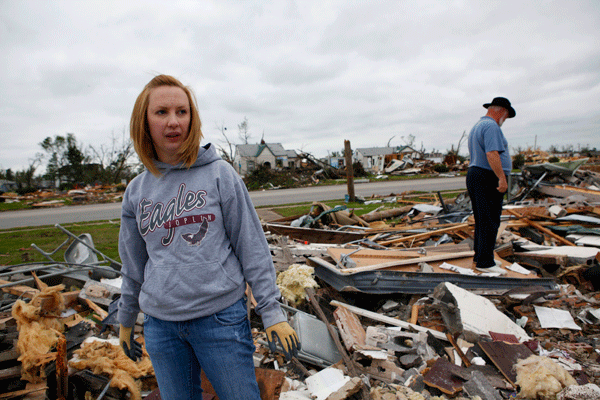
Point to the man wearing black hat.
(486, 180)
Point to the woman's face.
(168, 121)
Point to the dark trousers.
(486, 202)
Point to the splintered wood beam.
(350, 329)
(416, 260)
(18, 290)
(458, 350)
(424, 235)
(62, 370)
(30, 389)
(541, 228)
(47, 302)
(96, 308)
(388, 320)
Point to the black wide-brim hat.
(502, 102)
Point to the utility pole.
(349, 170)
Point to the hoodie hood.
(206, 155)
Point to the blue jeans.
(220, 344)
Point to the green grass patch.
(17, 205)
(15, 244)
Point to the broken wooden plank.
(424, 235)
(441, 376)
(9, 373)
(351, 330)
(541, 228)
(414, 313)
(18, 290)
(458, 350)
(337, 252)
(62, 369)
(314, 235)
(47, 303)
(505, 356)
(44, 302)
(388, 320)
(564, 191)
(97, 309)
(7, 355)
(31, 388)
(435, 257)
(529, 211)
(541, 259)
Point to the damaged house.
(272, 155)
(7, 186)
(374, 159)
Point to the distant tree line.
(69, 164)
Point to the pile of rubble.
(387, 305)
(53, 198)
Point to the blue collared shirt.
(487, 136)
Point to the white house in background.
(273, 155)
(374, 158)
(8, 186)
(436, 157)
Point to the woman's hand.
(287, 337)
(131, 348)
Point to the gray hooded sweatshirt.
(189, 242)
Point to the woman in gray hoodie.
(189, 242)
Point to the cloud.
(307, 74)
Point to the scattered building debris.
(387, 305)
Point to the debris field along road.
(387, 305)
(98, 212)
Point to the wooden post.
(62, 369)
(349, 170)
(541, 228)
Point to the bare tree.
(389, 141)
(244, 131)
(227, 150)
(453, 151)
(410, 139)
(25, 178)
(115, 161)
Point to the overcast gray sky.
(306, 74)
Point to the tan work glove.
(131, 348)
(287, 337)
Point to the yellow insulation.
(102, 357)
(38, 334)
(294, 280)
(540, 378)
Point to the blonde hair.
(140, 133)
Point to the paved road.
(112, 211)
